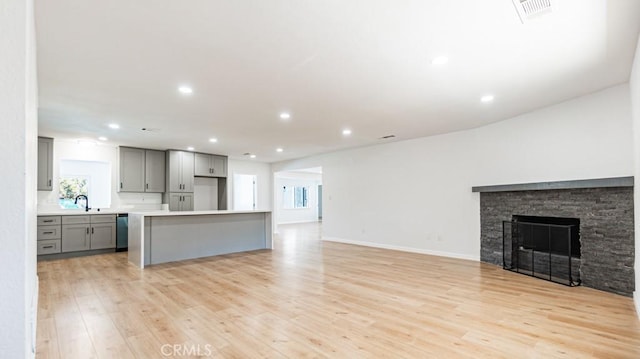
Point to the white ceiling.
(365, 65)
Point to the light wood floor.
(309, 298)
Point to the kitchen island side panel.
(136, 246)
(175, 238)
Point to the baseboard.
(33, 317)
(636, 300)
(403, 249)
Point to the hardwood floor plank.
(312, 299)
(47, 339)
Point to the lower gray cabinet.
(97, 232)
(75, 237)
(103, 235)
(181, 201)
(48, 246)
(49, 234)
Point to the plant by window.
(70, 188)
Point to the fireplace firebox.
(543, 247)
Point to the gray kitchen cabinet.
(181, 201)
(49, 232)
(141, 170)
(76, 237)
(103, 235)
(207, 165)
(180, 171)
(154, 173)
(132, 168)
(45, 164)
(50, 246)
(81, 233)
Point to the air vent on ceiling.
(528, 9)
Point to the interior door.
(244, 192)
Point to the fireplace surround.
(604, 208)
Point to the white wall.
(262, 171)
(416, 194)
(635, 105)
(18, 146)
(296, 215)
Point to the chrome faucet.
(86, 202)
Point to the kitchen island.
(163, 236)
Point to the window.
(296, 197)
(70, 188)
(89, 178)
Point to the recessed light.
(102, 138)
(114, 126)
(213, 140)
(279, 149)
(185, 90)
(285, 116)
(486, 98)
(346, 132)
(252, 156)
(190, 148)
(440, 60)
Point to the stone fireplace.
(604, 208)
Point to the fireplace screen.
(543, 247)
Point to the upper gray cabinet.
(210, 165)
(131, 169)
(141, 170)
(45, 164)
(180, 171)
(154, 171)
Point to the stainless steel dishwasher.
(122, 232)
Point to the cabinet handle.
(91, 230)
(47, 232)
(120, 185)
(47, 247)
(87, 230)
(49, 182)
(48, 220)
(147, 186)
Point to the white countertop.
(78, 212)
(191, 213)
(82, 212)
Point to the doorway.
(298, 196)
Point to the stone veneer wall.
(606, 229)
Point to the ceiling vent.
(528, 9)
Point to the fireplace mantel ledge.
(541, 186)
